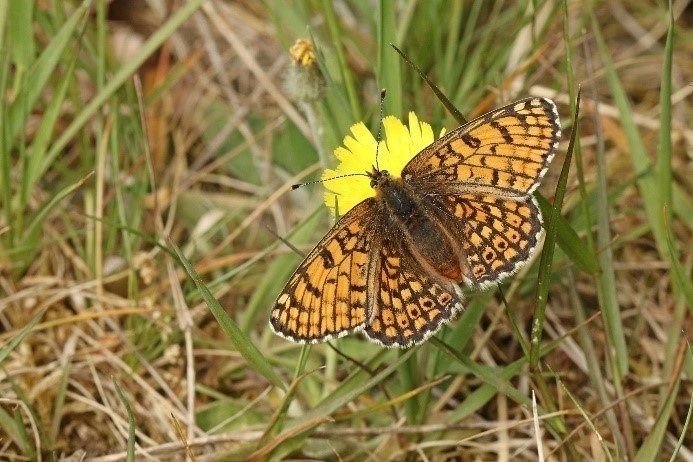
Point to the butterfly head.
(378, 177)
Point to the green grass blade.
(240, 341)
(7, 349)
(25, 442)
(681, 282)
(132, 437)
(389, 68)
(606, 281)
(344, 68)
(468, 55)
(17, 426)
(6, 158)
(28, 244)
(41, 70)
(589, 249)
(454, 39)
(480, 397)
(13, 430)
(410, 379)
(546, 262)
(4, 15)
(639, 157)
(664, 176)
(59, 403)
(20, 14)
(123, 75)
(35, 162)
(569, 241)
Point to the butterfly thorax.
(414, 224)
(393, 192)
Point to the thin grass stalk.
(616, 348)
(337, 41)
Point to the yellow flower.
(303, 53)
(357, 156)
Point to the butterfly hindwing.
(497, 235)
(412, 302)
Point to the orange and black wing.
(327, 296)
(411, 301)
(497, 236)
(505, 152)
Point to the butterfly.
(460, 211)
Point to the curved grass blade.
(545, 264)
(569, 241)
(461, 119)
(238, 338)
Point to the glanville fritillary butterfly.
(460, 211)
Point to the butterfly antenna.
(377, 146)
(299, 185)
(380, 127)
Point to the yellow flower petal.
(358, 156)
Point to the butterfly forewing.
(504, 152)
(328, 295)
